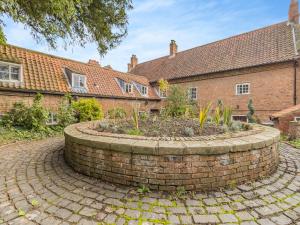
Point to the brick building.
(23, 73)
(261, 65)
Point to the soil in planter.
(157, 127)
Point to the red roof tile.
(43, 72)
(264, 46)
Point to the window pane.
(15, 73)
(81, 81)
(4, 74)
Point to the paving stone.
(228, 218)
(77, 199)
(205, 219)
(282, 220)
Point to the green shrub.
(66, 113)
(177, 102)
(117, 113)
(88, 110)
(37, 116)
(31, 118)
(17, 115)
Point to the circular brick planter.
(204, 163)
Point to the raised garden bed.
(167, 127)
(206, 162)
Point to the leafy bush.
(117, 113)
(17, 115)
(88, 110)
(177, 102)
(37, 115)
(66, 113)
(31, 118)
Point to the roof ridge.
(73, 60)
(46, 54)
(214, 42)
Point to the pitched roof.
(264, 46)
(286, 112)
(43, 72)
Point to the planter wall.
(204, 163)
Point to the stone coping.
(257, 138)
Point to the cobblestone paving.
(37, 187)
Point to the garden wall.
(199, 163)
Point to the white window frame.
(9, 71)
(160, 93)
(297, 118)
(242, 84)
(52, 116)
(80, 76)
(144, 90)
(190, 93)
(128, 88)
(239, 116)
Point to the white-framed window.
(242, 89)
(78, 81)
(192, 93)
(52, 119)
(10, 72)
(241, 118)
(162, 93)
(297, 118)
(128, 88)
(143, 90)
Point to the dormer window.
(10, 72)
(78, 81)
(143, 90)
(126, 87)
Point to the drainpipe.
(295, 82)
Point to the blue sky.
(153, 23)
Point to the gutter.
(295, 81)
(76, 94)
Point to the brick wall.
(51, 102)
(166, 165)
(272, 88)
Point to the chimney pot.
(133, 63)
(94, 62)
(294, 12)
(173, 48)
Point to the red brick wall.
(51, 102)
(271, 89)
(283, 123)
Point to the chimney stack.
(294, 12)
(93, 62)
(173, 48)
(133, 63)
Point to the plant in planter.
(217, 116)
(203, 114)
(117, 114)
(250, 115)
(227, 116)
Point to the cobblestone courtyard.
(37, 187)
